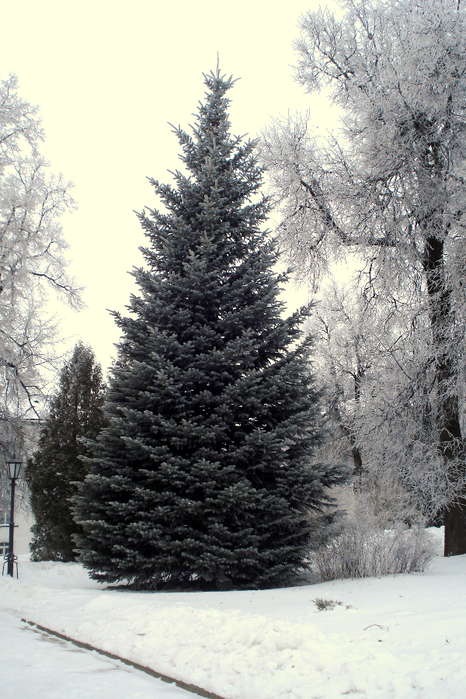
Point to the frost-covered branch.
(390, 185)
(32, 262)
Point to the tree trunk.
(357, 460)
(455, 529)
(454, 516)
(358, 470)
(448, 417)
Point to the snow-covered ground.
(37, 666)
(400, 637)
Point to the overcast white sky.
(108, 75)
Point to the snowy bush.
(381, 533)
(363, 550)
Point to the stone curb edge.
(165, 678)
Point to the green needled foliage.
(53, 472)
(203, 478)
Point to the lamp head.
(15, 468)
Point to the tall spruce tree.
(203, 477)
(52, 473)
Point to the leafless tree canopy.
(32, 263)
(392, 184)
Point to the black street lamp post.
(15, 468)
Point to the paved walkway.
(34, 665)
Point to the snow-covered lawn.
(400, 636)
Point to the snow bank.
(402, 636)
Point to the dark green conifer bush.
(54, 470)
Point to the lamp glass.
(15, 468)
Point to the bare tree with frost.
(32, 263)
(356, 342)
(376, 380)
(393, 186)
(344, 357)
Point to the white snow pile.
(401, 636)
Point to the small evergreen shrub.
(325, 604)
